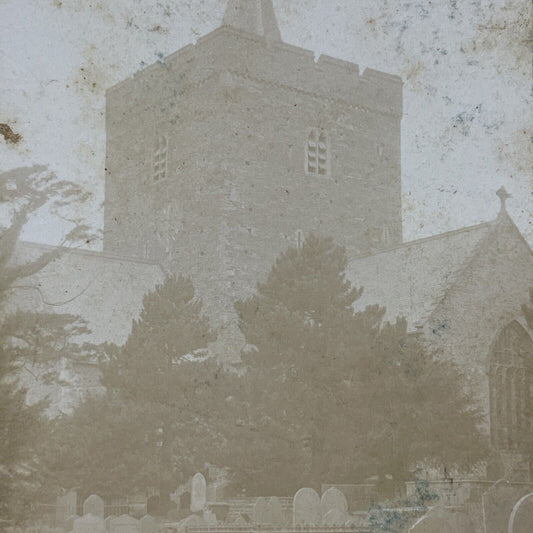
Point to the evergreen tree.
(28, 339)
(334, 395)
(165, 406)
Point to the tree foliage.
(28, 338)
(342, 395)
(161, 418)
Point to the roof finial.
(503, 195)
(253, 16)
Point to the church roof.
(104, 290)
(410, 279)
(253, 16)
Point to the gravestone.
(65, 507)
(94, 505)
(259, 513)
(498, 503)
(69, 522)
(198, 493)
(148, 524)
(274, 512)
(125, 524)
(89, 523)
(521, 519)
(334, 517)
(333, 498)
(306, 508)
(440, 519)
(107, 522)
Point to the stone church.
(227, 152)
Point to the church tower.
(229, 151)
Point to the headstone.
(274, 512)
(125, 524)
(440, 519)
(69, 522)
(107, 522)
(306, 508)
(148, 524)
(94, 505)
(259, 513)
(334, 517)
(333, 498)
(521, 519)
(65, 507)
(89, 523)
(198, 493)
(498, 503)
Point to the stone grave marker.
(69, 522)
(333, 498)
(94, 505)
(89, 523)
(65, 507)
(125, 524)
(148, 524)
(259, 513)
(274, 512)
(107, 522)
(334, 517)
(198, 493)
(521, 519)
(306, 508)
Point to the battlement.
(281, 64)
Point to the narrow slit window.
(160, 159)
(299, 239)
(317, 153)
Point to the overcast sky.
(466, 64)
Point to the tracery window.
(159, 171)
(511, 388)
(317, 153)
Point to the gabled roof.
(105, 290)
(410, 279)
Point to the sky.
(466, 67)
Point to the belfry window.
(511, 388)
(317, 153)
(159, 171)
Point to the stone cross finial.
(253, 16)
(503, 195)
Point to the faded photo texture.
(252, 287)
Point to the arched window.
(511, 388)
(159, 172)
(317, 153)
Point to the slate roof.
(105, 290)
(410, 279)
